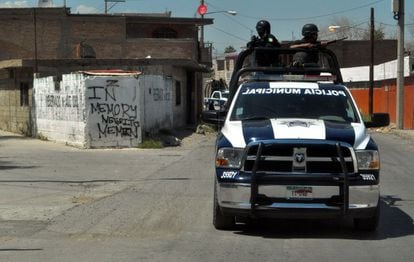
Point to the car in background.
(217, 101)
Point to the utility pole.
(371, 66)
(35, 39)
(202, 28)
(400, 66)
(114, 3)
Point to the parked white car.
(217, 100)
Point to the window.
(177, 93)
(294, 103)
(220, 65)
(164, 32)
(24, 94)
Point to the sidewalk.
(391, 129)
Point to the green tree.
(352, 31)
(379, 33)
(229, 49)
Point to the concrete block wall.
(113, 111)
(59, 109)
(103, 111)
(14, 117)
(157, 97)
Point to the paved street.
(59, 203)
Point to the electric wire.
(318, 16)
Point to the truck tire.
(369, 223)
(221, 221)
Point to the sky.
(286, 16)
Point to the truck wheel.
(369, 223)
(220, 221)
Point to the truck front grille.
(313, 157)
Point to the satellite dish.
(45, 3)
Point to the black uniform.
(267, 41)
(264, 38)
(308, 57)
(310, 36)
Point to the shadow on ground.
(394, 223)
(5, 165)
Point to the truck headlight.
(229, 157)
(368, 159)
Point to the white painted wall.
(383, 71)
(59, 113)
(158, 104)
(102, 111)
(113, 110)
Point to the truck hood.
(240, 133)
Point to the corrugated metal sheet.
(111, 72)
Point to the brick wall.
(58, 34)
(357, 53)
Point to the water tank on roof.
(45, 3)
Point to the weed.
(151, 143)
(42, 137)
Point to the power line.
(231, 18)
(318, 16)
(227, 33)
(391, 25)
(346, 28)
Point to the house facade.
(43, 42)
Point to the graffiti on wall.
(160, 95)
(66, 100)
(61, 107)
(115, 118)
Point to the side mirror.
(378, 120)
(214, 117)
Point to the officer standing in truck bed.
(309, 41)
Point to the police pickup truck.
(217, 100)
(293, 144)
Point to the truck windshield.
(261, 100)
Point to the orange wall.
(385, 99)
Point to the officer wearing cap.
(264, 38)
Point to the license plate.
(299, 192)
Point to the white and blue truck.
(293, 144)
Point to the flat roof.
(91, 62)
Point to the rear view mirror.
(378, 120)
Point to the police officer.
(309, 40)
(264, 38)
